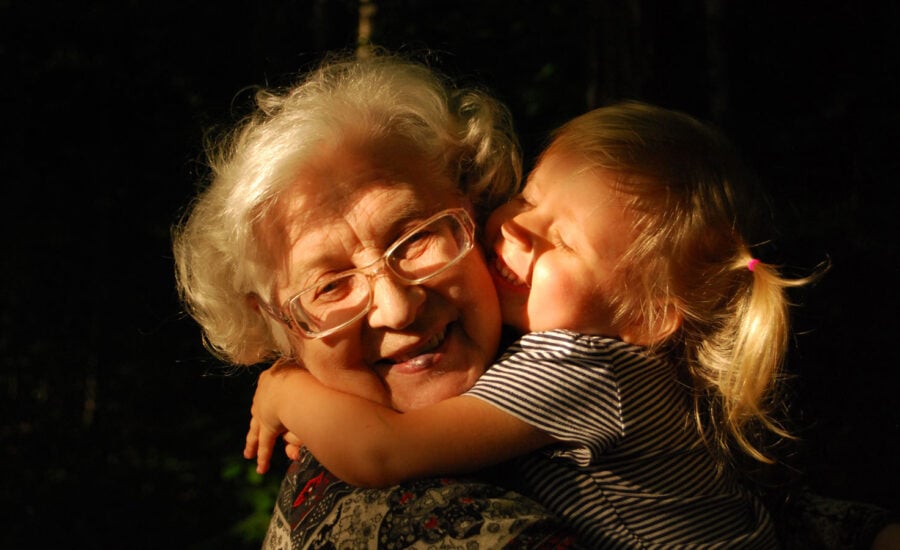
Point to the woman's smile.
(416, 357)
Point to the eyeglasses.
(420, 254)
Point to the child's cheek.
(550, 299)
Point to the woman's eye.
(416, 244)
(333, 290)
(417, 237)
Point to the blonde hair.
(689, 258)
(464, 133)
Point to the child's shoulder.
(512, 337)
(571, 338)
(552, 349)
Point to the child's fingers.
(252, 443)
(292, 451)
(263, 459)
(267, 439)
(291, 439)
(292, 446)
(260, 443)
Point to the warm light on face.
(340, 300)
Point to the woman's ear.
(284, 347)
(252, 301)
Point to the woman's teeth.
(431, 345)
(435, 341)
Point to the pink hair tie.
(752, 264)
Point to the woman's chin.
(448, 371)
(428, 393)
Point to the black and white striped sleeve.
(550, 380)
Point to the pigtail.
(742, 360)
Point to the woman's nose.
(395, 305)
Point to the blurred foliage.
(258, 493)
(119, 430)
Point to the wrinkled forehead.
(360, 213)
(351, 197)
(339, 176)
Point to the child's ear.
(666, 323)
(669, 322)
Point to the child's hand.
(292, 446)
(260, 443)
(265, 424)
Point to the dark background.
(118, 430)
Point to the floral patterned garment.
(315, 510)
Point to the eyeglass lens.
(420, 255)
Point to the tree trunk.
(367, 10)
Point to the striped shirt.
(632, 471)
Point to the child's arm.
(370, 445)
(262, 436)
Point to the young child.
(652, 355)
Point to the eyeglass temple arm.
(270, 311)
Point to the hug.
(369, 232)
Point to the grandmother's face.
(418, 344)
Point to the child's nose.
(516, 234)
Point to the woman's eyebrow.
(408, 217)
(326, 258)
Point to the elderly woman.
(338, 231)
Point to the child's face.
(557, 246)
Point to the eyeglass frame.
(285, 315)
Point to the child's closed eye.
(521, 202)
(557, 241)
